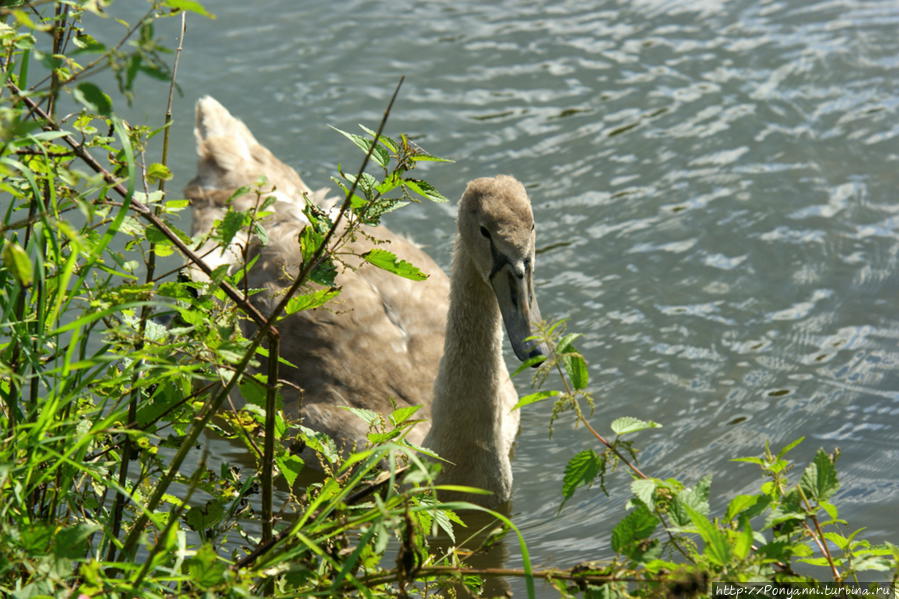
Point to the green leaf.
(253, 391)
(694, 498)
(576, 367)
(743, 543)
(319, 442)
(462, 489)
(176, 205)
(388, 143)
(783, 451)
(17, 260)
(290, 466)
(564, 345)
(831, 509)
(534, 398)
(308, 301)
(627, 536)
(205, 569)
(72, 542)
(819, 480)
(643, 489)
(528, 364)
(424, 189)
(627, 425)
(158, 172)
(188, 5)
(748, 505)
(837, 539)
(231, 224)
(429, 158)
(324, 273)
(202, 518)
(93, 98)
(49, 61)
(369, 416)
(379, 154)
(717, 547)
(401, 415)
(389, 262)
(580, 470)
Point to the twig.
(312, 263)
(613, 449)
(583, 419)
(174, 517)
(167, 120)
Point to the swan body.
(386, 341)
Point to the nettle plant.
(786, 532)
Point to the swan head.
(496, 229)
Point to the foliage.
(670, 541)
(113, 372)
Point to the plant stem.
(268, 451)
(818, 536)
(170, 101)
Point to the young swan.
(473, 425)
(386, 340)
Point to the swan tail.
(230, 157)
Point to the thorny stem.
(818, 536)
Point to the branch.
(548, 575)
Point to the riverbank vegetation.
(114, 372)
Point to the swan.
(386, 341)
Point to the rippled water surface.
(723, 172)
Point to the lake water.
(723, 172)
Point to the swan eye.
(485, 232)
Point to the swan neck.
(467, 398)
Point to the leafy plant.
(670, 538)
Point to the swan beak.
(518, 305)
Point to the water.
(725, 173)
